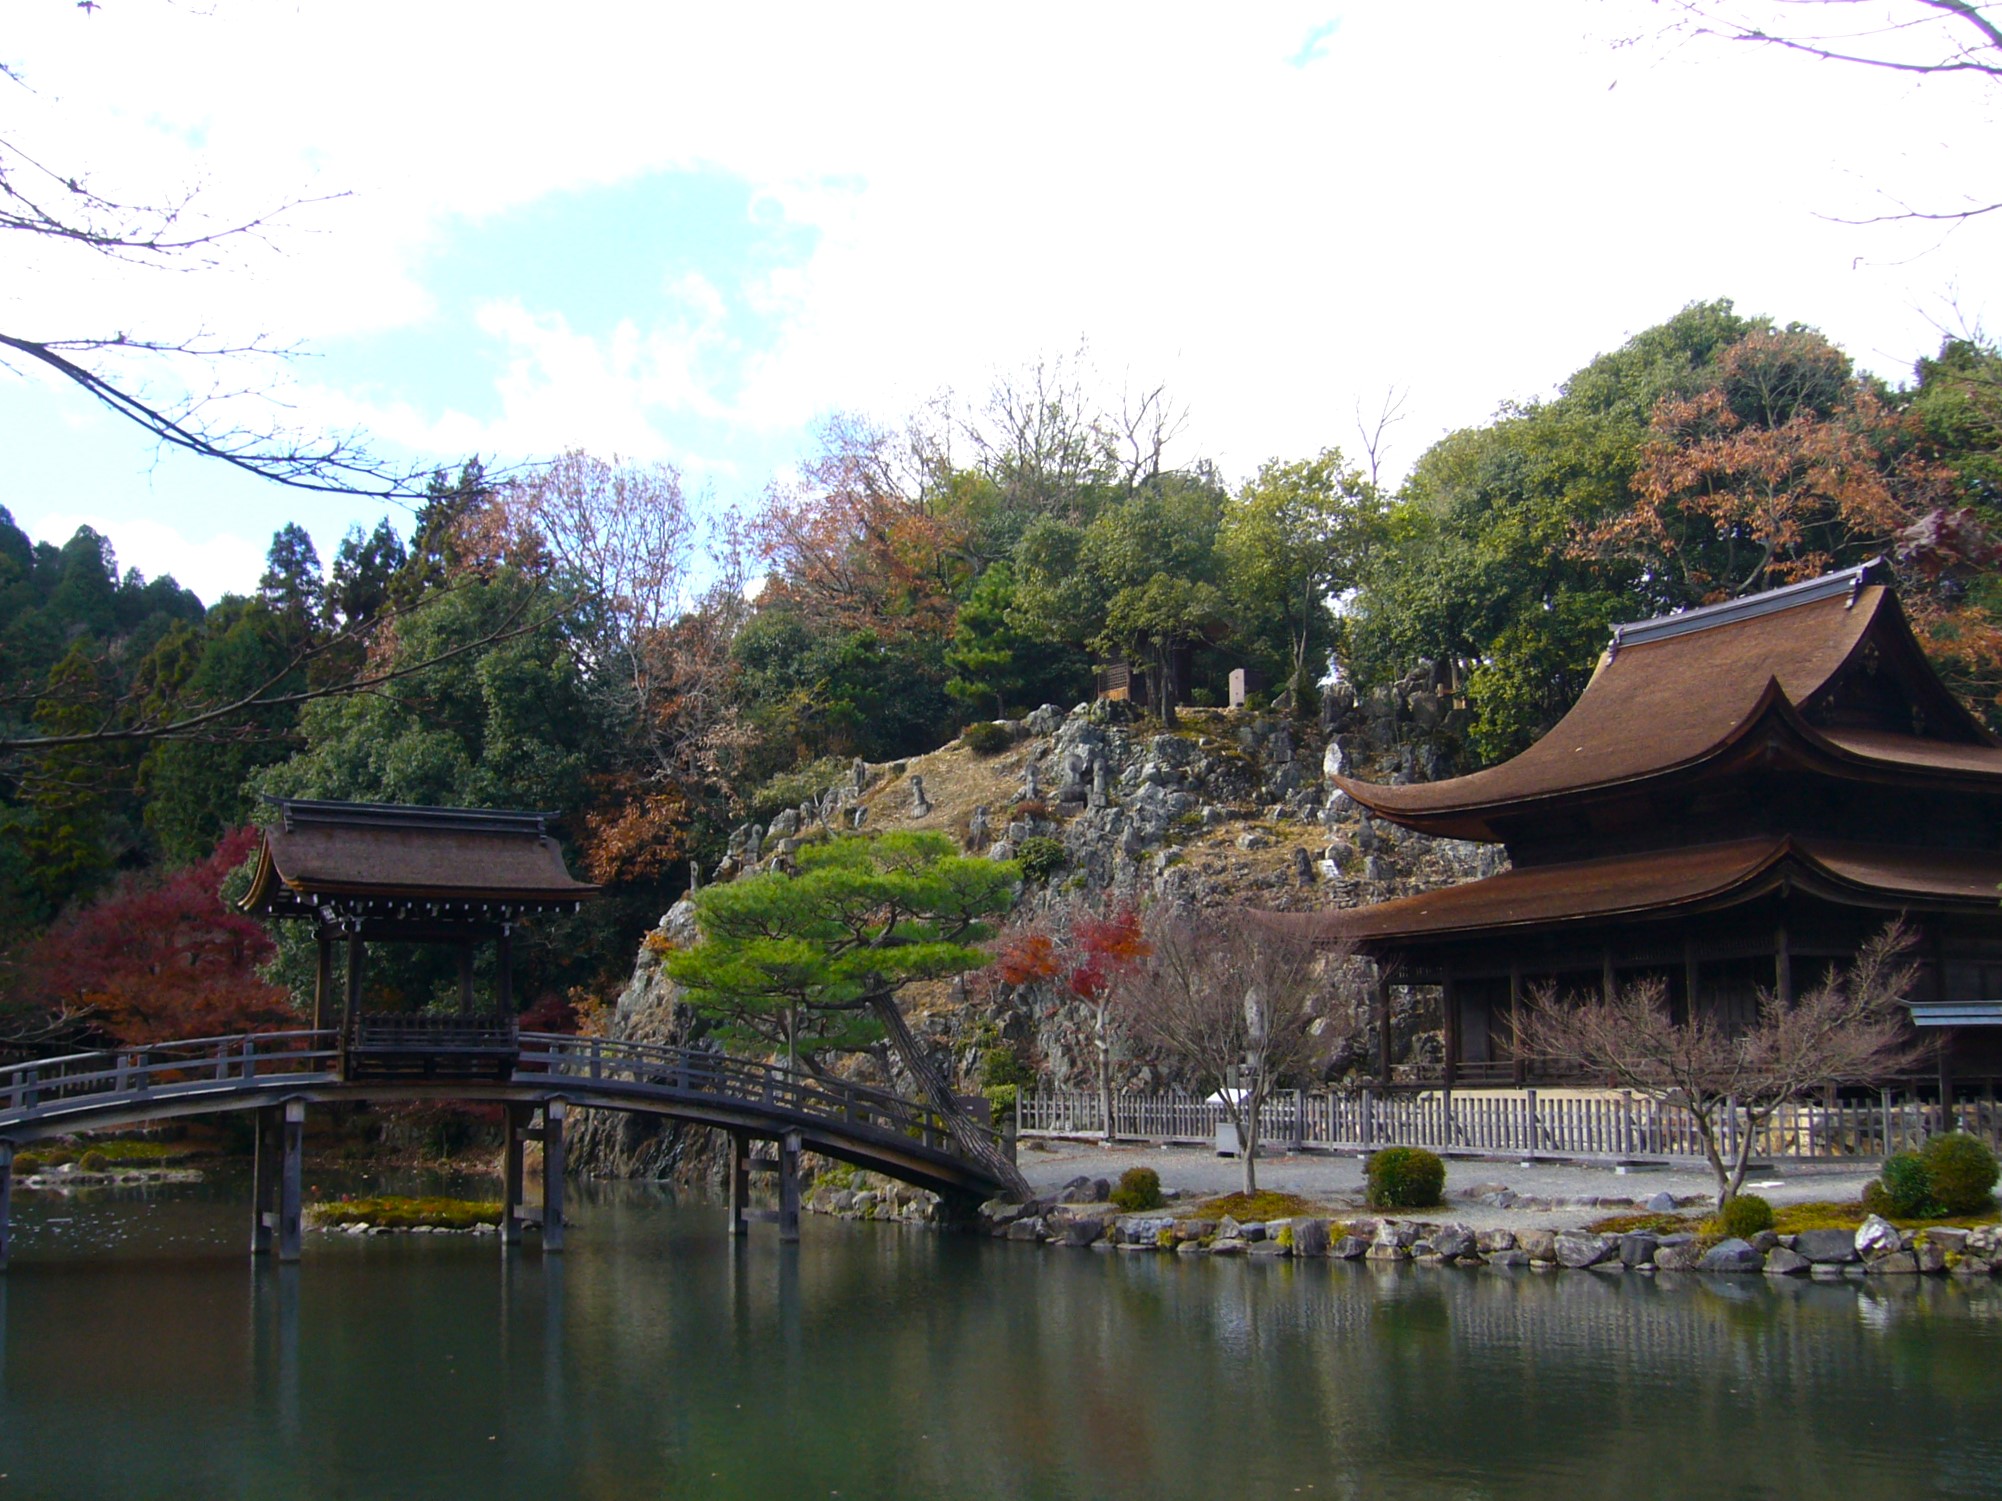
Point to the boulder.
(1348, 1248)
(1453, 1240)
(1973, 1266)
(1396, 1233)
(1931, 1257)
(1383, 1251)
(1538, 1245)
(1578, 1248)
(1877, 1236)
(1637, 1249)
(1826, 1247)
(1680, 1257)
(1310, 1237)
(1764, 1241)
(1266, 1248)
(1491, 1241)
(1733, 1255)
(1083, 1232)
(1228, 1229)
(1509, 1257)
(1229, 1246)
(1947, 1238)
(1896, 1264)
(1780, 1262)
(1661, 1203)
(1030, 1228)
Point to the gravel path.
(1337, 1180)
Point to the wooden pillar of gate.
(504, 975)
(323, 984)
(740, 1182)
(789, 1186)
(351, 1003)
(6, 1199)
(264, 1178)
(291, 1179)
(511, 1216)
(552, 1176)
(465, 979)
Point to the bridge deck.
(871, 1128)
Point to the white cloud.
(211, 563)
(1464, 199)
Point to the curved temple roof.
(1673, 693)
(388, 851)
(1660, 884)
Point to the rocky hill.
(1233, 808)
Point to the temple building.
(365, 874)
(1743, 794)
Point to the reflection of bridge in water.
(537, 1077)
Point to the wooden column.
(1946, 1040)
(290, 1180)
(323, 984)
(510, 1225)
(351, 1005)
(1692, 979)
(1382, 1002)
(789, 1186)
(1782, 966)
(465, 979)
(552, 1176)
(1609, 985)
(1449, 1027)
(6, 1199)
(264, 1178)
(504, 974)
(740, 1182)
(1515, 1024)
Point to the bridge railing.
(693, 1070)
(135, 1072)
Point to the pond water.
(142, 1355)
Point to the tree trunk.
(1104, 1079)
(1247, 1145)
(1164, 680)
(938, 1091)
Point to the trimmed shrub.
(1907, 1187)
(986, 738)
(1404, 1178)
(1040, 857)
(94, 1161)
(1139, 1188)
(1745, 1215)
(1961, 1171)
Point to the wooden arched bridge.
(536, 1076)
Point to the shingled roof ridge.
(303, 812)
(1849, 581)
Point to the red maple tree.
(161, 957)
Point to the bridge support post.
(6, 1199)
(264, 1179)
(510, 1225)
(290, 1176)
(789, 1186)
(552, 1176)
(740, 1183)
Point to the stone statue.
(919, 807)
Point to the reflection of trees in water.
(899, 1362)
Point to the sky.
(690, 234)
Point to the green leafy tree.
(813, 962)
(1295, 538)
(995, 665)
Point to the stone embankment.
(1079, 1218)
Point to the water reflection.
(659, 1356)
